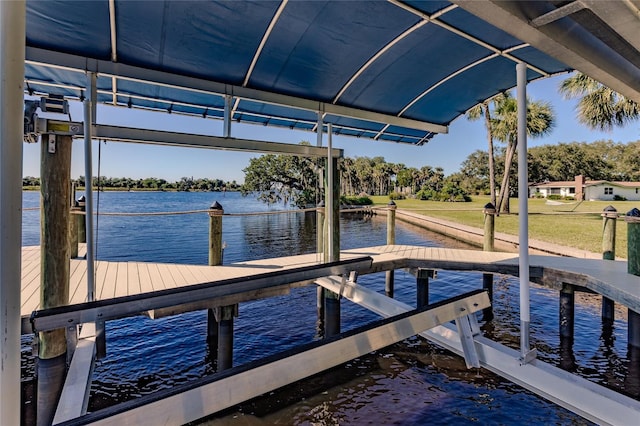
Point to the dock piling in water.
(220, 319)
(391, 239)
(422, 286)
(489, 211)
(82, 223)
(633, 267)
(55, 171)
(609, 219)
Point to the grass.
(572, 224)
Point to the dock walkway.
(114, 279)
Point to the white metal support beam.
(329, 208)
(585, 54)
(157, 137)
(523, 214)
(89, 120)
(12, 51)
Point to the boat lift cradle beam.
(585, 398)
(209, 395)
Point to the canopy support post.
(526, 354)
(330, 208)
(12, 56)
(228, 101)
(90, 107)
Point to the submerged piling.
(391, 239)
(422, 287)
(489, 211)
(609, 218)
(633, 267)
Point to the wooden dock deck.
(114, 279)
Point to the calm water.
(412, 382)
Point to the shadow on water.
(412, 382)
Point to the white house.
(591, 190)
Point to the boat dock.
(129, 288)
(116, 279)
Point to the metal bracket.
(468, 328)
(353, 278)
(528, 357)
(52, 144)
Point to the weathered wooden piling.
(82, 220)
(220, 319)
(320, 228)
(73, 229)
(55, 171)
(224, 316)
(422, 287)
(215, 234)
(633, 267)
(320, 232)
(609, 219)
(567, 309)
(391, 239)
(489, 211)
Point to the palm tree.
(599, 107)
(540, 121)
(483, 110)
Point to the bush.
(554, 197)
(356, 201)
(396, 196)
(617, 197)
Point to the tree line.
(151, 183)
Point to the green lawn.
(572, 224)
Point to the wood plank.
(109, 288)
(133, 278)
(145, 279)
(78, 282)
(121, 282)
(178, 278)
(101, 268)
(156, 277)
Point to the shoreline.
(475, 236)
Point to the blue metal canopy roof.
(388, 70)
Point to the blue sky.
(171, 163)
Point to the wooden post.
(215, 258)
(391, 239)
(82, 220)
(73, 229)
(320, 228)
(489, 211)
(224, 316)
(633, 267)
(215, 234)
(331, 299)
(422, 284)
(55, 171)
(609, 218)
(567, 299)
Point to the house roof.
(572, 184)
(390, 70)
